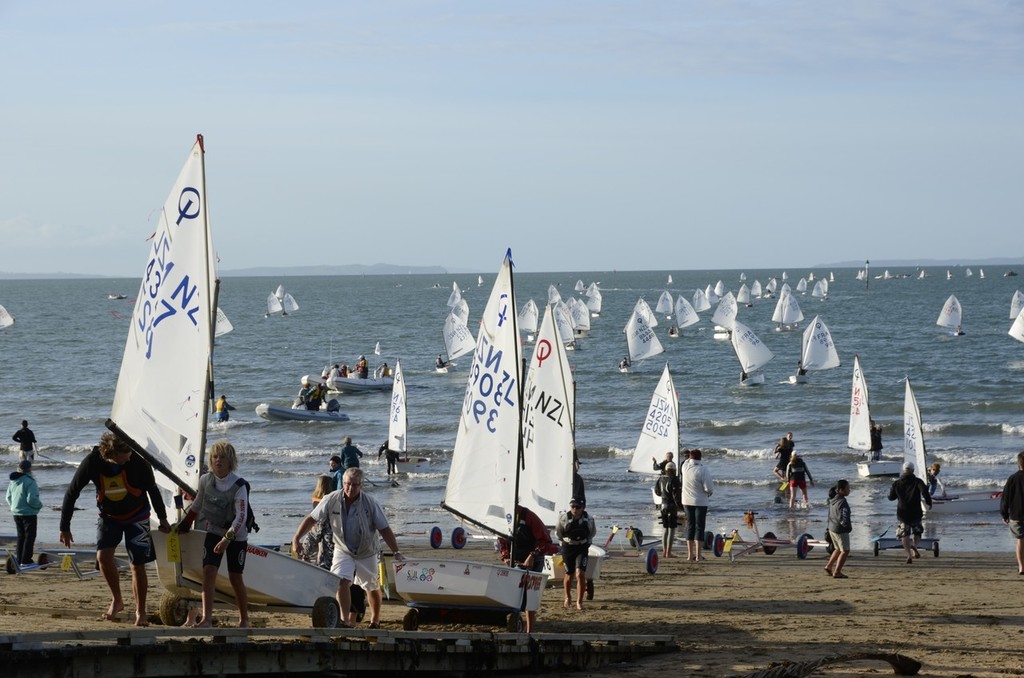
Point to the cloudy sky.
(590, 135)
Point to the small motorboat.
(277, 413)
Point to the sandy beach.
(959, 614)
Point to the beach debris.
(902, 665)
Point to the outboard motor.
(333, 405)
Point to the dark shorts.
(1017, 528)
(575, 557)
(137, 540)
(906, 529)
(235, 552)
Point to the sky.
(586, 136)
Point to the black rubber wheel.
(876, 549)
(590, 589)
(768, 550)
(411, 620)
(435, 537)
(719, 546)
(709, 539)
(802, 547)
(514, 623)
(810, 538)
(652, 561)
(935, 548)
(326, 614)
(458, 538)
(173, 609)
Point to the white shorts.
(362, 572)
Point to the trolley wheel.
(875, 549)
(173, 609)
(590, 589)
(709, 539)
(718, 548)
(935, 548)
(43, 559)
(435, 537)
(12, 565)
(652, 561)
(636, 538)
(326, 613)
(802, 547)
(458, 538)
(810, 538)
(768, 549)
(411, 620)
(514, 623)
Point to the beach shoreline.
(957, 613)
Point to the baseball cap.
(577, 502)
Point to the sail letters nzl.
(157, 305)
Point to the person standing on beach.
(909, 491)
(1011, 507)
(783, 451)
(697, 490)
(575, 531)
(529, 537)
(839, 528)
(356, 518)
(221, 508)
(670, 491)
(23, 498)
(798, 476)
(125, 486)
(349, 454)
(26, 442)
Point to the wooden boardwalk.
(158, 651)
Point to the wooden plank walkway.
(158, 651)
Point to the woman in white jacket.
(697, 489)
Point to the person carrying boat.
(529, 544)
(221, 507)
(26, 440)
(909, 491)
(362, 370)
(575, 531)
(356, 519)
(126, 492)
(222, 407)
(390, 456)
(876, 440)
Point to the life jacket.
(115, 489)
(222, 405)
(577, 531)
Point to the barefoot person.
(125, 485)
(575, 531)
(221, 508)
(1011, 508)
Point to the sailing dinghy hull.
(967, 502)
(413, 465)
(357, 385)
(275, 413)
(271, 578)
(465, 584)
(880, 468)
(555, 568)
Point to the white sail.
(700, 301)
(771, 286)
(644, 309)
(163, 386)
(981, 273)
(709, 292)
(664, 304)
(563, 322)
(725, 312)
(801, 285)
(6, 319)
(479, 281)
(951, 314)
(787, 310)
(685, 315)
(719, 289)
(223, 325)
(273, 304)
(579, 314)
(528, 316)
(482, 483)
(949, 274)
(548, 426)
(461, 309)
(458, 340)
(669, 281)
(755, 289)
(859, 437)
(913, 434)
(660, 431)
(968, 273)
(579, 286)
(1016, 304)
(289, 304)
(820, 290)
(594, 299)
(819, 351)
(279, 292)
(785, 276)
(456, 294)
(641, 341)
(752, 353)
(398, 422)
(554, 296)
(1017, 329)
(743, 294)
(743, 277)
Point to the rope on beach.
(901, 665)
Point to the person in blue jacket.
(23, 498)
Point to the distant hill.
(926, 263)
(270, 271)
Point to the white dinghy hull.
(465, 584)
(357, 385)
(967, 502)
(275, 413)
(880, 468)
(413, 465)
(554, 568)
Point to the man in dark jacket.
(125, 486)
(26, 440)
(1011, 506)
(909, 492)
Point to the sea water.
(59, 365)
